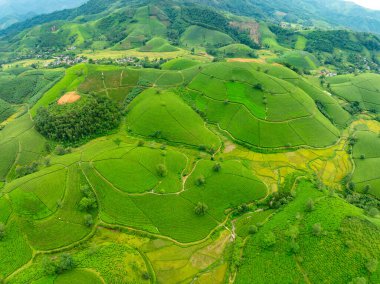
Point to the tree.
(200, 181)
(64, 263)
(117, 142)
(269, 240)
(217, 168)
(373, 211)
(317, 229)
(162, 171)
(88, 220)
(87, 204)
(294, 247)
(2, 231)
(48, 266)
(309, 205)
(201, 209)
(252, 229)
(372, 265)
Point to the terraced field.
(211, 162)
(367, 160)
(363, 89)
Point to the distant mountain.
(13, 11)
(319, 13)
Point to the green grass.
(179, 64)
(136, 170)
(232, 186)
(301, 60)
(199, 36)
(14, 249)
(26, 85)
(338, 255)
(268, 39)
(21, 144)
(366, 153)
(236, 51)
(164, 115)
(78, 276)
(73, 77)
(6, 110)
(259, 109)
(301, 43)
(364, 88)
(157, 44)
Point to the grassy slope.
(346, 244)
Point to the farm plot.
(272, 248)
(366, 154)
(163, 115)
(143, 169)
(60, 216)
(364, 89)
(220, 189)
(200, 36)
(258, 109)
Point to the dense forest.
(90, 116)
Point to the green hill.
(198, 142)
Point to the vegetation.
(170, 142)
(92, 115)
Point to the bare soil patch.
(69, 98)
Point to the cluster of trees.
(58, 265)
(326, 41)
(26, 169)
(71, 123)
(88, 203)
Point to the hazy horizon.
(371, 4)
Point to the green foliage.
(58, 265)
(88, 220)
(162, 171)
(372, 265)
(269, 240)
(309, 205)
(200, 209)
(88, 203)
(91, 116)
(2, 231)
(317, 229)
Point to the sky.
(372, 4)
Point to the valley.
(183, 144)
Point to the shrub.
(372, 211)
(162, 171)
(88, 202)
(26, 170)
(309, 205)
(217, 168)
(317, 229)
(252, 229)
(60, 150)
(201, 209)
(372, 265)
(294, 247)
(58, 265)
(200, 181)
(88, 220)
(64, 263)
(2, 231)
(269, 240)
